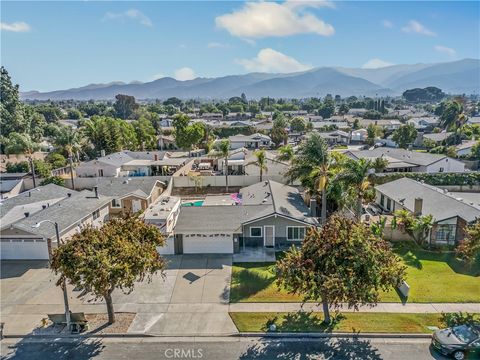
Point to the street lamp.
(64, 283)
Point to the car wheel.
(459, 355)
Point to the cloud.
(18, 26)
(268, 19)
(213, 45)
(387, 24)
(157, 76)
(446, 50)
(184, 73)
(414, 26)
(376, 63)
(130, 14)
(269, 60)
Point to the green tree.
(260, 162)
(343, 109)
(20, 167)
(57, 180)
(20, 144)
(116, 256)
(11, 108)
(310, 166)
(475, 152)
(56, 160)
(327, 109)
(222, 151)
(356, 177)
(380, 164)
(187, 135)
(125, 106)
(416, 226)
(371, 134)
(344, 262)
(51, 112)
(405, 135)
(469, 248)
(74, 114)
(42, 168)
(285, 153)
(146, 134)
(298, 124)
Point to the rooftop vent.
(27, 214)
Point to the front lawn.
(345, 322)
(432, 276)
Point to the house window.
(389, 204)
(382, 200)
(116, 203)
(96, 214)
(255, 232)
(441, 169)
(295, 233)
(445, 234)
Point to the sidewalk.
(381, 307)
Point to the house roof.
(216, 218)
(254, 137)
(8, 185)
(438, 136)
(466, 145)
(66, 212)
(410, 157)
(122, 157)
(121, 187)
(436, 202)
(45, 194)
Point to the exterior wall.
(275, 168)
(17, 189)
(127, 203)
(233, 180)
(280, 224)
(448, 165)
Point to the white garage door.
(208, 244)
(168, 248)
(26, 249)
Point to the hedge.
(436, 179)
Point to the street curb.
(337, 335)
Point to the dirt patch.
(98, 323)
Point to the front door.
(269, 236)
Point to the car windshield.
(464, 333)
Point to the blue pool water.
(193, 203)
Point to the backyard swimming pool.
(193, 203)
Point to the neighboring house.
(275, 167)
(166, 123)
(255, 141)
(383, 123)
(212, 116)
(450, 214)
(400, 160)
(167, 142)
(465, 148)
(438, 138)
(359, 136)
(72, 211)
(164, 214)
(130, 163)
(238, 116)
(11, 184)
(357, 112)
(130, 195)
(267, 214)
(473, 120)
(423, 123)
(336, 137)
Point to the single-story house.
(465, 148)
(423, 123)
(72, 210)
(255, 141)
(336, 137)
(401, 160)
(451, 214)
(268, 214)
(386, 124)
(359, 135)
(129, 195)
(440, 138)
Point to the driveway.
(192, 299)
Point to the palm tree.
(285, 153)
(260, 162)
(310, 165)
(70, 141)
(222, 151)
(355, 175)
(453, 117)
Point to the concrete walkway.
(381, 307)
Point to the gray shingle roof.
(435, 202)
(119, 187)
(67, 213)
(411, 157)
(438, 136)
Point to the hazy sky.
(63, 44)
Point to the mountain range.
(456, 77)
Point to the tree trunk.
(323, 216)
(71, 170)
(326, 312)
(261, 174)
(32, 167)
(109, 302)
(226, 174)
(359, 208)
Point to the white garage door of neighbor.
(26, 249)
(208, 244)
(168, 248)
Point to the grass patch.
(432, 277)
(346, 322)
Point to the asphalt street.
(219, 349)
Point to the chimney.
(102, 153)
(313, 207)
(27, 214)
(417, 208)
(95, 188)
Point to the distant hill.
(457, 77)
